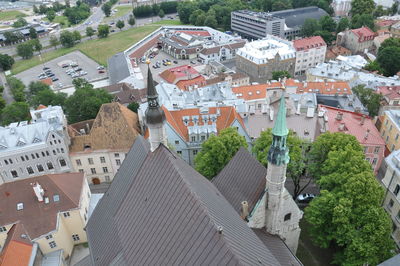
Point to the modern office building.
(285, 23)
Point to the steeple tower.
(154, 115)
(282, 214)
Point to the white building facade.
(309, 52)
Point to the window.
(107, 177)
(26, 157)
(393, 146)
(40, 167)
(203, 138)
(395, 102)
(102, 159)
(58, 150)
(116, 155)
(176, 141)
(390, 128)
(22, 158)
(374, 161)
(390, 205)
(93, 170)
(194, 152)
(105, 170)
(396, 189)
(43, 154)
(78, 162)
(66, 214)
(56, 197)
(397, 136)
(10, 160)
(49, 237)
(52, 244)
(14, 173)
(386, 122)
(179, 152)
(30, 170)
(47, 153)
(3, 229)
(62, 163)
(90, 160)
(37, 155)
(54, 152)
(75, 237)
(85, 217)
(376, 149)
(118, 161)
(50, 166)
(80, 170)
(287, 217)
(20, 206)
(193, 138)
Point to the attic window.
(287, 217)
(20, 206)
(56, 197)
(36, 140)
(86, 146)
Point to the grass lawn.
(168, 22)
(121, 11)
(64, 23)
(97, 49)
(9, 15)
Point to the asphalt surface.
(7, 92)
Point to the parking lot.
(84, 68)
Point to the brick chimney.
(39, 192)
(244, 210)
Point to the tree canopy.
(14, 112)
(6, 62)
(103, 31)
(362, 7)
(217, 151)
(276, 75)
(120, 24)
(369, 99)
(25, 50)
(67, 39)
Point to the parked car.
(54, 79)
(74, 64)
(100, 67)
(101, 71)
(64, 65)
(46, 68)
(175, 62)
(305, 198)
(77, 69)
(193, 62)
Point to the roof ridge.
(229, 115)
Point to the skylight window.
(20, 206)
(56, 198)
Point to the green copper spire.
(280, 128)
(278, 153)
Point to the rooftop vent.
(20, 206)
(39, 192)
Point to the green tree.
(36, 86)
(6, 62)
(297, 150)
(195, 15)
(2, 104)
(369, 99)
(25, 50)
(37, 46)
(309, 27)
(131, 20)
(85, 103)
(161, 14)
(358, 21)
(106, 9)
(77, 36)
(389, 42)
(185, 9)
(379, 11)
(263, 5)
(51, 15)
(17, 89)
(15, 112)
(67, 39)
(11, 37)
(35, 9)
(89, 32)
(156, 9)
(389, 60)
(120, 24)
(347, 215)
(211, 21)
(373, 66)
(42, 9)
(281, 5)
(343, 24)
(48, 97)
(133, 106)
(276, 75)
(324, 144)
(32, 33)
(362, 7)
(54, 41)
(327, 24)
(21, 22)
(394, 9)
(103, 31)
(328, 37)
(217, 151)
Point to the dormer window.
(36, 140)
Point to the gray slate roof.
(117, 68)
(296, 17)
(242, 179)
(160, 211)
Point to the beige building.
(46, 213)
(98, 146)
(259, 59)
(390, 129)
(356, 40)
(391, 182)
(309, 52)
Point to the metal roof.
(160, 211)
(117, 68)
(296, 17)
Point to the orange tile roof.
(227, 116)
(41, 106)
(364, 34)
(326, 88)
(185, 84)
(172, 75)
(307, 43)
(251, 92)
(47, 81)
(17, 250)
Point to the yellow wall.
(3, 235)
(389, 135)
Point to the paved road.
(7, 92)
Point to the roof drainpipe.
(33, 254)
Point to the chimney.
(339, 116)
(244, 210)
(341, 127)
(366, 134)
(362, 120)
(39, 192)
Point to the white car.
(305, 198)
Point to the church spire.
(154, 115)
(278, 153)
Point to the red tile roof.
(386, 23)
(227, 116)
(196, 32)
(173, 75)
(185, 84)
(17, 250)
(390, 92)
(351, 124)
(308, 43)
(364, 34)
(47, 81)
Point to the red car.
(101, 71)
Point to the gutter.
(33, 254)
